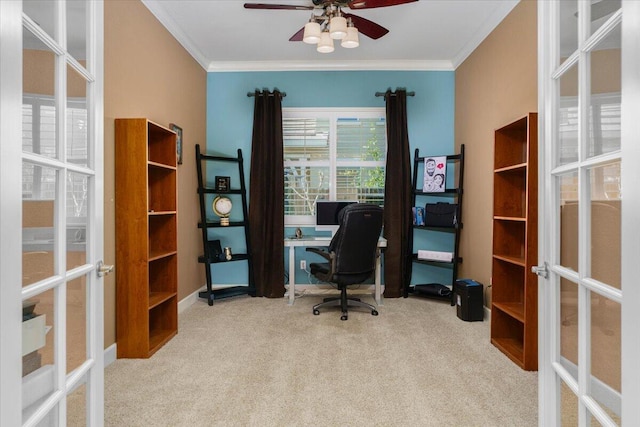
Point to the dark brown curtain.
(266, 195)
(397, 197)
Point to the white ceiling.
(425, 35)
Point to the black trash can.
(469, 300)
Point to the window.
(332, 154)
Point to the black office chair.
(351, 255)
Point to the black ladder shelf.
(456, 194)
(206, 223)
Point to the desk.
(319, 241)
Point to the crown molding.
(167, 21)
(499, 13)
(352, 65)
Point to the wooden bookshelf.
(146, 237)
(514, 308)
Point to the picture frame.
(178, 130)
(223, 183)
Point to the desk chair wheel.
(374, 312)
(316, 311)
(344, 316)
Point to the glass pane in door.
(605, 224)
(39, 111)
(568, 28)
(605, 95)
(38, 213)
(37, 350)
(568, 191)
(77, 407)
(567, 116)
(76, 323)
(601, 10)
(43, 13)
(605, 350)
(77, 123)
(77, 30)
(568, 406)
(77, 187)
(569, 325)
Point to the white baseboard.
(487, 313)
(189, 300)
(110, 354)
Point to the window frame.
(333, 114)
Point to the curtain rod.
(282, 94)
(384, 93)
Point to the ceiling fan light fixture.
(312, 33)
(338, 27)
(325, 45)
(351, 40)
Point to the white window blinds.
(332, 154)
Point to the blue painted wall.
(230, 120)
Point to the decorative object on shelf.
(223, 183)
(418, 215)
(222, 207)
(215, 250)
(435, 172)
(227, 253)
(440, 214)
(178, 130)
(332, 24)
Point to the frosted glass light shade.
(311, 33)
(351, 40)
(338, 27)
(325, 45)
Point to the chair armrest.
(323, 253)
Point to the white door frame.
(550, 370)
(10, 211)
(630, 211)
(91, 371)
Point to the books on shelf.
(418, 215)
(435, 174)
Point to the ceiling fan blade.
(370, 4)
(297, 37)
(366, 27)
(276, 6)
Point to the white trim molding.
(387, 65)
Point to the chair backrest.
(355, 243)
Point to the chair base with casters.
(343, 302)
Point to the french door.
(51, 180)
(589, 78)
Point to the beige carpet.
(258, 362)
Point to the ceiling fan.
(333, 24)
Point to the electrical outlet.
(303, 264)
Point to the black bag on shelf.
(440, 214)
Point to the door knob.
(103, 269)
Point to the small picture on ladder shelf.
(435, 173)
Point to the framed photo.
(178, 130)
(435, 174)
(223, 183)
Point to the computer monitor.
(327, 214)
